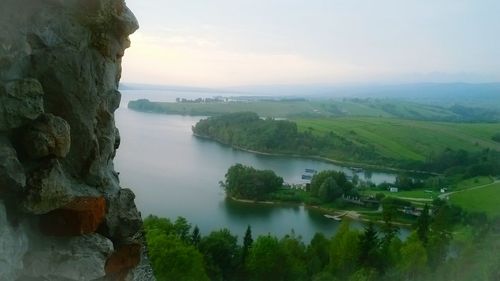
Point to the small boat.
(306, 177)
(311, 171)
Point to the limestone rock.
(47, 189)
(20, 102)
(143, 271)
(114, 99)
(123, 220)
(83, 215)
(77, 258)
(60, 65)
(48, 135)
(13, 246)
(12, 176)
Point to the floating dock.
(337, 218)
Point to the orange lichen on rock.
(122, 260)
(81, 216)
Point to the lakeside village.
(368, 200)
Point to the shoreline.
(345, 164)
(349, 214)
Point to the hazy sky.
(219, 43)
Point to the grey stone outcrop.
(63, 213)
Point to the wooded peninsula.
(321, 138)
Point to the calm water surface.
(175, 174)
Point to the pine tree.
(389, 231)
(388, 228)
(368, 247)
(423, 223)
(247, 243)
(195, 237)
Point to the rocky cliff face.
(63, 214)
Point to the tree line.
(179, 251)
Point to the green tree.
(328, 190)
(369, 247)
(389, 231)
(329, 185)
(161, 225)
(182, 228)
(316, 182)
(195, 237)
(389, 211)
(317, 254)
(404, 182)
(364, 274)
(173, 260)
(439, 238)
(247, 243)
(344, 252)
(266, 261)
(295, 257)
(413, 262)
(220, 250)
(248, 183)
(423, 224)
(390, 258)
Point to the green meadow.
(406, 139)
(485, 199)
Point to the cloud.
(198, 60)
(224, 42)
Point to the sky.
(224, 43)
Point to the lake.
(176, 174)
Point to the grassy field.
(406, 139)
(422, 196)
(416, 193)
(476, 181)
(400, 217)
(485, 199)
